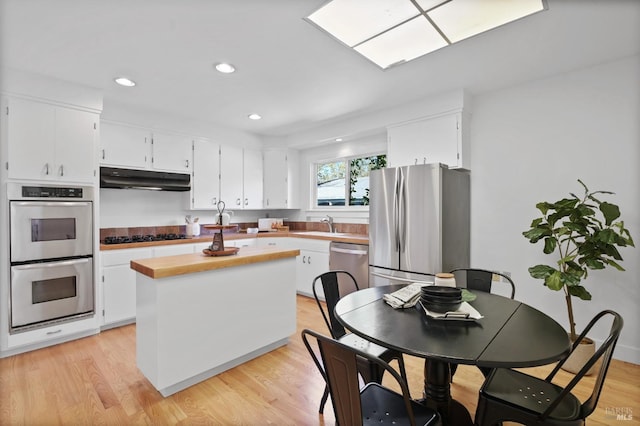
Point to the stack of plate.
(441, 299)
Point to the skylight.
(390, 32)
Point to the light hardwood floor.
(94, 381)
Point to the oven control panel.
(51, 192)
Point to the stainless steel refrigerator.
(419, 223)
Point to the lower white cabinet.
(312, 261)
(119, 285)
(173, 250)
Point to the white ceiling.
(288, 71)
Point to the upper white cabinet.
(139, 148)
(440, 139)
(205, 183)
(252, 184)
(124, 146)
(241, 177)
(171, 153)
(280, 166)
(50, 142)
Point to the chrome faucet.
(329, 221)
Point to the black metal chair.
(373, 404)
(336, 284)
(510, 395)
(481, 279)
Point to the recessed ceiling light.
(124, 81)
(254, 116)
(338, 139)
(225, 68)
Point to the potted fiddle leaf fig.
(583, 233)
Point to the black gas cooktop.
(143, 238)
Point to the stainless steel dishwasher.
(353, 258)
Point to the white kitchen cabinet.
(252, 179)
(124, 146)
(119, 285)
(439, 139)
(231, 176)
(173, 250)
(240, 178)
(49, 142)
(280, 168)
(171, 153)
(205, 182)
(312, 261)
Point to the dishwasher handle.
(349, 251)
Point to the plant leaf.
(541, 271)
(580, 292)
(610, 212)
(554, 281)
(549, 245)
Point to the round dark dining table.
(511, 334)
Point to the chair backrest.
(481, 279)
(335, 284)
(339, 368)
(603, 355)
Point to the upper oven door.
(50, 229)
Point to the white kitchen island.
(197, 316)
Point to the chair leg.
(403, 372)
(323, 401)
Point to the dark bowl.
(441, 307)
(443, 292)
(440, 299)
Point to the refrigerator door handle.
(396, 222)
(402, 213)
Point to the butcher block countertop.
(169, 266)
(316, 235)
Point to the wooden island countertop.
(169, 266)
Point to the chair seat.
(374, 396)
(522, 391)
(364, 345)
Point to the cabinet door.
(309, 265)
(119, 293)
(75, 133)
(433, 140)
(231, 176)
(124, 146)
(171, 153)
(252, 179)
(275, 179)
(31, 139)
(205, 185)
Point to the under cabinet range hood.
(143, 179)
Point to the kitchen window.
(345, 182)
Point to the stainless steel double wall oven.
(51, 252)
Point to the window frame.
(347, 192)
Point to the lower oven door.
(48, 291)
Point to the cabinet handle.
(415, 161)
(186, 163)
(54, 332)
(424, 160)
(237, 201)
(46, 169)
(304, 259)
(246, 201)
(103, 154)
(214, 201)
(61, 170)
(309, 260)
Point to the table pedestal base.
(437, 394)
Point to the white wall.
(531, 143)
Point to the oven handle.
(53, 264)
